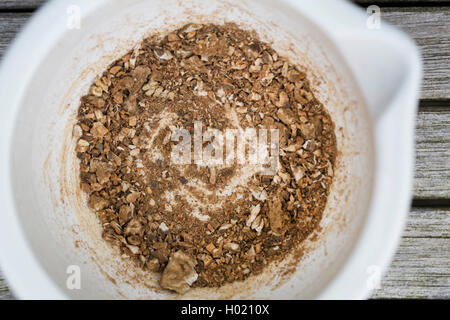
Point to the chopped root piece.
(179, 273)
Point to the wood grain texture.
(20, 4)
(432, 176)
(401, 2)
(430, 28)
(33, 4)
(421, 266)
(432, 135)
(10, 24)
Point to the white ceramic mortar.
(367, 79)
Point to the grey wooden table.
(420, 268)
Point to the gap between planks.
(34, 4)
(432, 167)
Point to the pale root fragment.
(98, 130)
(97, 203)
(179, 274)
(276, 215)
(286, 116)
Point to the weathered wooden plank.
(33, 4)
(421, 266)
(433, 130)
(20, 4)
(5, 294)
(429, 26)
(10, 24)
(432, 176)
(400, 2)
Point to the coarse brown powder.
(203, 225)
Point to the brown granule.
(203, 225)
